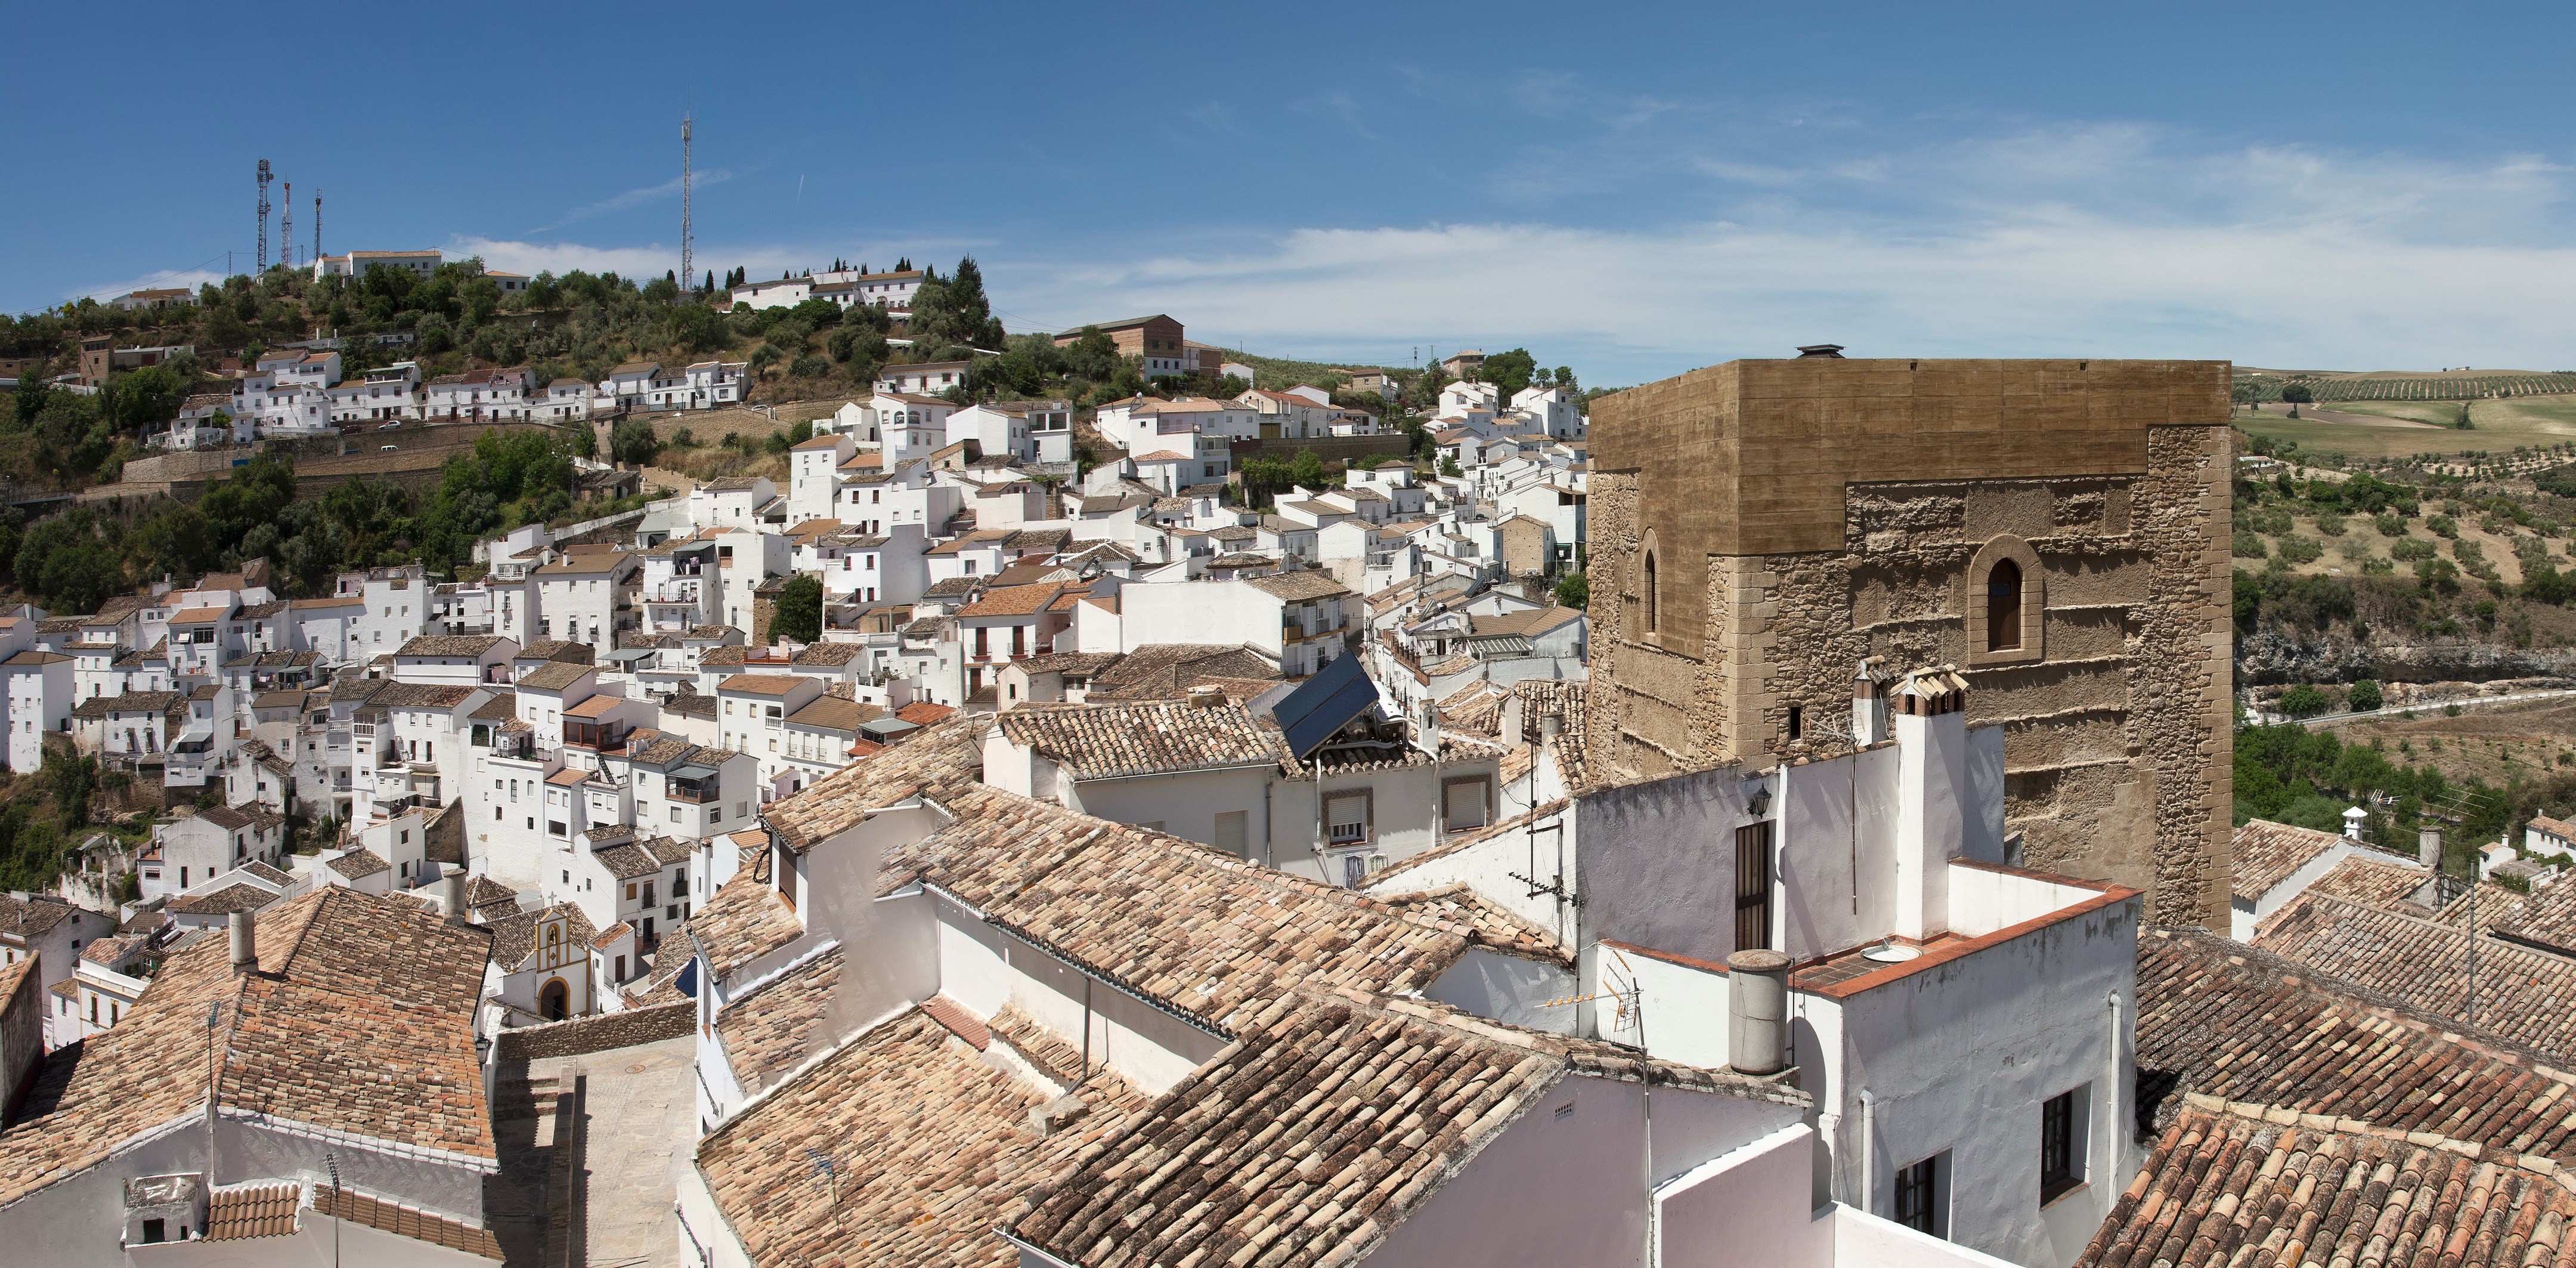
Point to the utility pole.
(688, 260)
(264, 178)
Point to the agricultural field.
(2451, 385)
(2500, 745)
(2381, 430)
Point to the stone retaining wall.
(598, 1034)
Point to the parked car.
(389, 426)
(384, 448)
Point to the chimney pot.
(1757, 999)
(245, 941)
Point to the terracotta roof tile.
(254, 1210)
(927, 1146)
(1331, 1121)
(2236, 1022)
(1157, 737)
(2224, 1186)
(359, 1020)
(2267, 853)
(2522, 994)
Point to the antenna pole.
(317, 227)
(264, 178)
(286, 225)
(687, 255)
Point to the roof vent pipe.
(245, 941)
(1757, 1012)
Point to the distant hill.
(1278, 374)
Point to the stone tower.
(2056, 530)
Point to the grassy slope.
(1278, 374)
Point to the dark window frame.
(2061, 1166)
(1753, 885)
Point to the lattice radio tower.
(286, 225)
(264, 178)
(687, 259)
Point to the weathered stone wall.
(598, 1034)
(2115, 707)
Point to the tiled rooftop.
(1332, 1119)
(358, 1020)
(2522, 994)
(2266, 853)
(2243, 1185)
(1225, 938)
(903, 1147)
(2218, 1017)
(1156, 737)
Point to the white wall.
(1573, 1190)
(1508, 988)
(1198, 612)
(1960, 1055)
(1746, 1206)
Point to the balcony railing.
(692, 792)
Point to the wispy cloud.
(636, 198)
(1338, 107)
(2103, 241)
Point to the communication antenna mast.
(317, 226)
(264, 178)
(286, 225)
(687, 260)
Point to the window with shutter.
(1346, 818)
(1464, 803)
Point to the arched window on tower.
(2003, 607)
(1654, 597)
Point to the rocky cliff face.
(2272, 656)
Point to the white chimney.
(245, 941)
(2352, 820)
(1929, 712)
(1869, 709)
(2428, 848)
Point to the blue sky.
(1634, 191)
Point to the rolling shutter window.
(1346, 818)
(1466, 805)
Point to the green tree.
(799, 617)
(633, 441)
(2297, 394)
(694, 328)
(1574, 590)
(1092, 355)
(2303, 701)
(1308, 470)
(1509, 372)
(2363, 697)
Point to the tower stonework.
(2057, 530)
